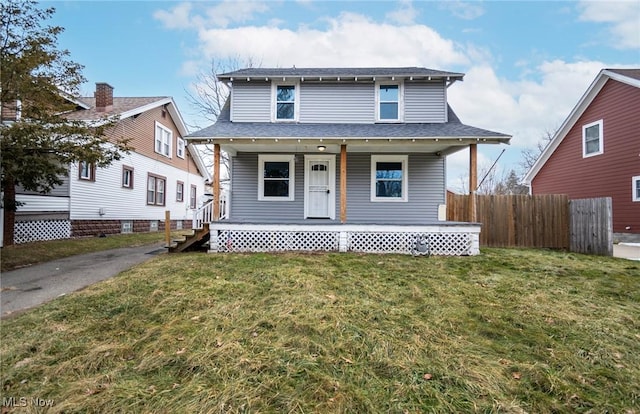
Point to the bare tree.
(209, 97)
(531, 155)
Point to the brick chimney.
(104, 97)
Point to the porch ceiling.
(442, 146)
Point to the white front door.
(319, 186)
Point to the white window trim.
(164, 128)
(404, 159)
(290, 158)
(400, 101)
(634, 182)
(274, 101)
(599, 123)
(180, 148)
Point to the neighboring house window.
(127, 177)
(592, 139)
(163, 140)
(389, 178)
(192, 197)
(86, 171)
(285, 97)
(180, 191)
(389, 101)
(180, 149)
(635, 188)
(156, 190)
(276, 177)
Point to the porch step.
(191, 242)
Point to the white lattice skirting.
(452, 240)
(40, 230)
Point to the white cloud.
(406, 14)
(463, 9)
(348, 40)
(222, 14)
(622, 16)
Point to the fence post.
(167, 227)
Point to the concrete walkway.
(31, 286)
(627, 250)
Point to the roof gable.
(630, 77)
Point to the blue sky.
(526, 63)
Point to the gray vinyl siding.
(337, 103)
(244, 194)
(425, 192)
(424, 102)
(251, 102)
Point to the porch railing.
(204, 214)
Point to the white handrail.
(204, 214)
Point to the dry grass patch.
(508, 331)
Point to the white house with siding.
(344, 159)
(162, 173)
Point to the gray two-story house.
(344, 159)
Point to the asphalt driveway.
(31, 286)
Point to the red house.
(596, 151)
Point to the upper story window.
(180, 148)
(389, 178)
(592, 139)
(276, 180)
(635, 188)
(285, 98)
(389, 101)
(163, 140)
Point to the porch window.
(592, 142)
(163, 140)
(635, 188)
(156, 190)
(276, 177)
(389, 102)
(389, 178)
(285, 97)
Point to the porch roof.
(453, 131)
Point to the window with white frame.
(389, 101)
(635, 188)
(389, 178)
(592, 139)
(180, 148)
(86, 171)
(163, 140)
(127, 176)
(285, 97)
(180, 191)
(276, 177)
(156, 190)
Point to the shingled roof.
(121, 105)
(311, 73)
(224, 128)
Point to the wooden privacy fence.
(540, 221)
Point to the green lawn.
(509, 331)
